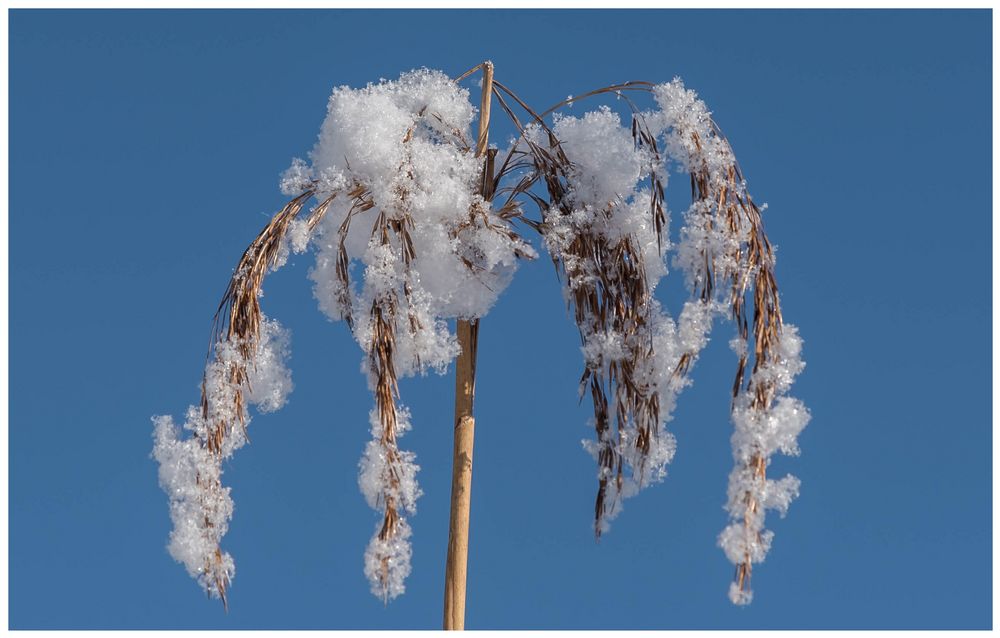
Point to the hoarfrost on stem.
(190, 469)
(388, 479)
(759, 434)
(722, 246)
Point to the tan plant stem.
(465, 424)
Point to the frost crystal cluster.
(191, 467)
(411, 228)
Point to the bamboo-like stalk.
(465, 424)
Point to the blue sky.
(145, 149)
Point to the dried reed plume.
(728, 204)
(238, 323)
(391, 311)
(618, 298)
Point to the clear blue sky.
(145, 149)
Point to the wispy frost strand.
(190, 468)
(758, 435)
(388, 480)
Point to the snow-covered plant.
(403, 193)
